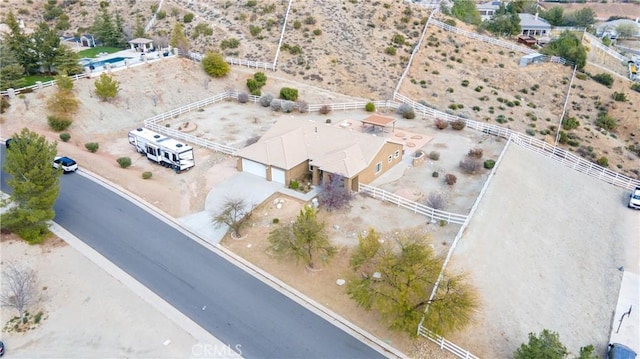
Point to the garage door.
(277, 175)
(255, 168)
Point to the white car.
(67, 164)
(634, 199)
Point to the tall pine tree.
(35, 185)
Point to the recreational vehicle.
(163, 150)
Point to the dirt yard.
(87, 313)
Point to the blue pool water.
(104, 62)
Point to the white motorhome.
(163, 150)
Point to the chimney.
(536, 17)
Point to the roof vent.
(156, 136)
(178, 145)
(139, 129)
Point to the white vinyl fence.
(595, 42)
(38, 86)
(416, 207)
(565, 157)
(445, 344)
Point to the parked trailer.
(163, 150)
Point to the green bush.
(370, 107)
(188, 17)
(231, 43)
(92, 146)
(570, 123)
(65, 136)
(607, 122)
(604, 79)
(489, 164)
(294, 184)
(636, 87)
(603, 161)
(275, 220)
(124, 162)
(288, 93)
(214, 65)
(435, 174)
(255, 30)
(317, 32)
(161, 14)
(390, 51)
(581, 76)
(297, 24)
(434, 155)
(146, 175)
(619, 96)
(38, 317)
(58, 123)
(465, 83)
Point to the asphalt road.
(240, 310)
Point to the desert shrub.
(4, 104)
(434, 155)
(390, 51)
(450, 22)
(310, 20)
(287, 106)
(581, 76)
(275, 220)
(252, 140)
(603, 161)
(475, 152)
(92, 146)
(607, 122)
(458, 124)
(231, 43)
(441, 124)
(276, 105)
(450, 179)
(302, 106)
(297, 24)
(146, 175)
(470, 165)
(465, 83)
(403, 108)
(570, 123)
(65, 136)
(530, 131)
(435, 174)
(409, 115)
(161, 14)
(489, 164)
(243, 97)
(289, 93)
(370, 107)
(188, 17)
(214, 64)
(317, 32)
(266, 100)
(604, 79)
(619, 96)
(124, 162)
(255, 30)
(325, 109)
(435, 200)
(58, 123)
(636, 87)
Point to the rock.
(340, 282)
(377, 275)
(336, 227)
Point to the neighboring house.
(87, 40)
(532, 25)
(294, 149)
(609, 28)
(488, 9)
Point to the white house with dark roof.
(295, 149)
(488, 9)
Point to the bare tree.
(335, 194)
(235, 211)
(19, 287)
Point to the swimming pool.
(102, 63)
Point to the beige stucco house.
(295, 149)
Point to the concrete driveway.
(253, 189)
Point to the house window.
(396, 154)
(378, 167)
(390, 159)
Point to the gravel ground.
(543, 250)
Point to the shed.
(87, 40)
(531, 59)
